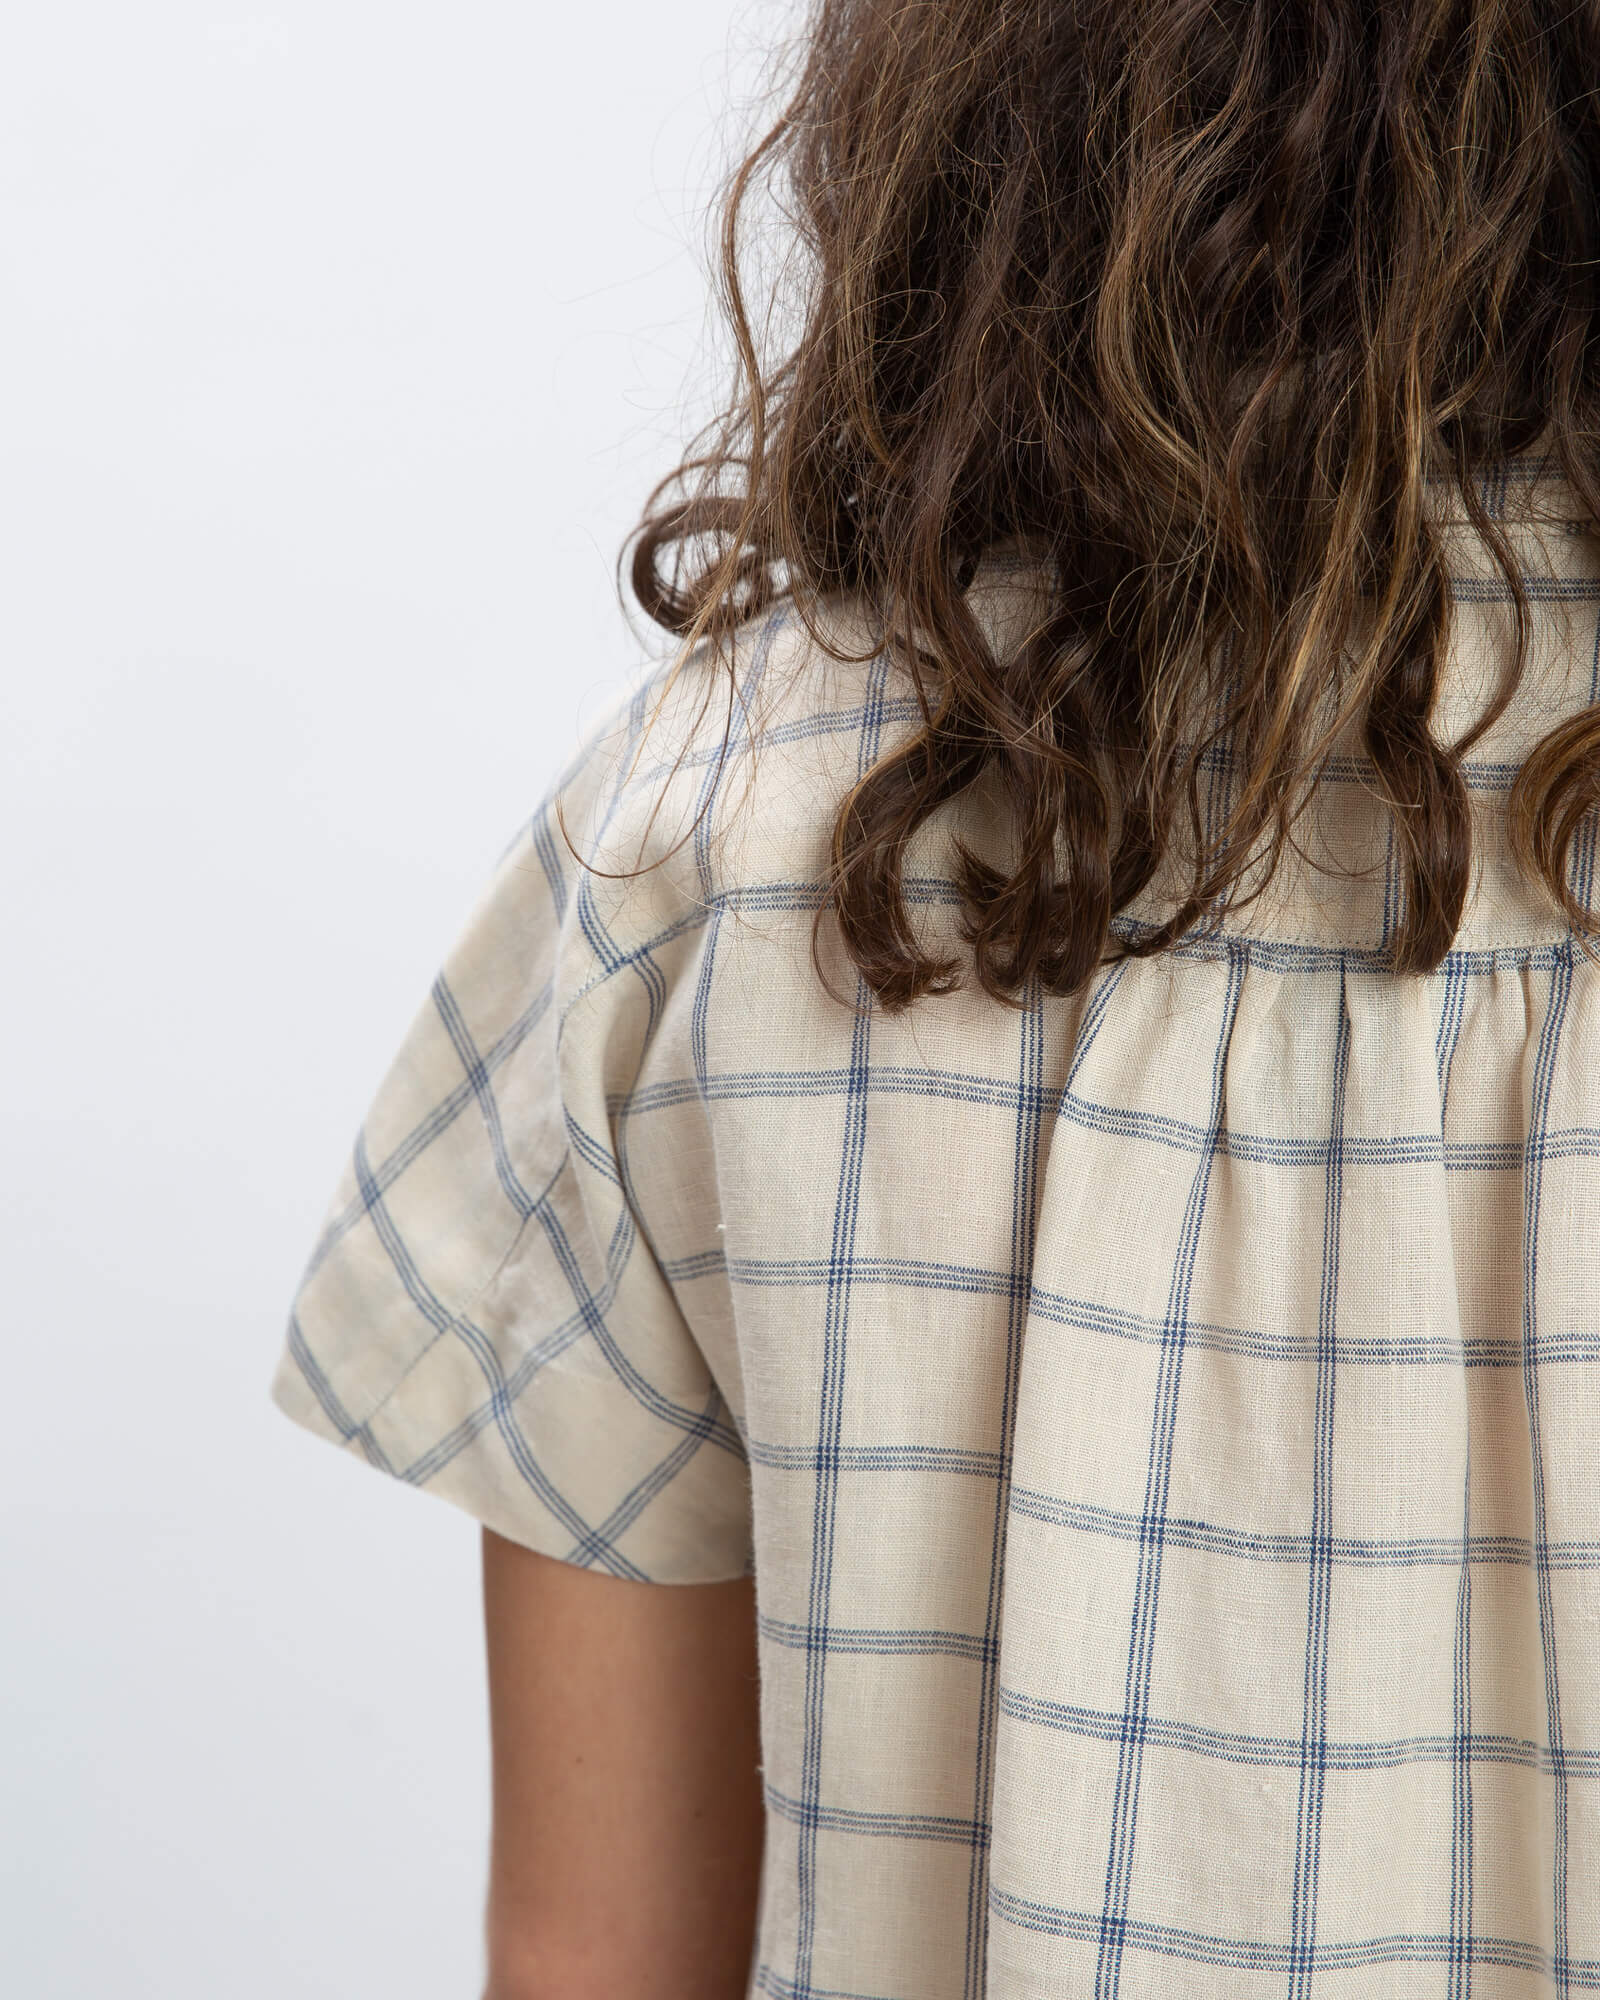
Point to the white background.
(341, 343)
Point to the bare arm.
(627, 1825)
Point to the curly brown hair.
(1191, 300)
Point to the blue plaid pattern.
(1160, 1423)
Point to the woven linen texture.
(1161, 1423)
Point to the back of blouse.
(1160, 1422)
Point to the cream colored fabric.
(1162, 1423)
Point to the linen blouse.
(1162, 1423)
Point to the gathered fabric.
(1161, 1423)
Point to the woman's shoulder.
(725, 766)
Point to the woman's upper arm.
(628, 1814)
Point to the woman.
(1020, 1127)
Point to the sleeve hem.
(294, 1393)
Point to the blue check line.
(416, 1142)
(1229, 1746)
(482, 1350)
(1174, 1942)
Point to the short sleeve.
(482, 1314)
